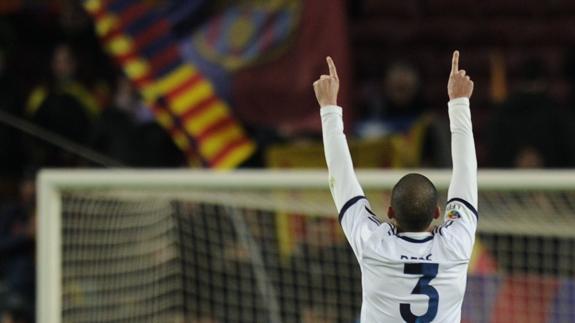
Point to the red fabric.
(279, 93)
(525, 299)
(13, 6)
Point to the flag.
(265, 56)
(278, 93)
(140, 37)
(11, 6)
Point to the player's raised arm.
(464, 178)
(342, 180)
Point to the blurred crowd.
(63, 90)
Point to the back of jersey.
(418, 276)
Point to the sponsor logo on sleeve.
(453, 215)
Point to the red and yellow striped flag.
(182, 99)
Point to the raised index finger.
(332, 69)
(455, 62)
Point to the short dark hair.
(414, 200)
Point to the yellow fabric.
(35, 99)
(93, 5)
(236, 156)
(136, 68)
(87, 100)
(106, 24)
(374, 153)
(218, 141)
(174, 79)
(283, 231)
(183, 102)
(407, 148)
(74, 89)
(206, 118)
(181, 140)
(120, 45)
(164, 119)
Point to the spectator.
(16, 310)
(17, 242)
(395, 106)
(127, 131)
(529, 130)
(398, 108)
(9, 137)
(62, 105)
(322, 281)
(115, 131)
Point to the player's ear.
(390, 213)
(437, 212)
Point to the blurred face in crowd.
(9, 318)
(125, 96)
(27, 192)
(316, 315)
(205, 319)
(63, 63)
(401, 84)
(529, 157)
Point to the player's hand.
(327, 87)
(459, 85)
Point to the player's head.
(413, 203)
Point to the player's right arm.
(354, 215)
(342, 180)
(461, 209)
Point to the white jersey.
(414, 277)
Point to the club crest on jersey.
(453, 215)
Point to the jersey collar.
(415, 237)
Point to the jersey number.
(429, 271)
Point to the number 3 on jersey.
(429, 271)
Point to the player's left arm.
(461, 209)
(463, 183)
(354, 215)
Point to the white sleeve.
(342, 180)
(464, 178)
(460, 222)
(355, 216)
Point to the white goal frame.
(51, 183)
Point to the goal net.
(265, 246)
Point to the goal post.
(130, 245)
